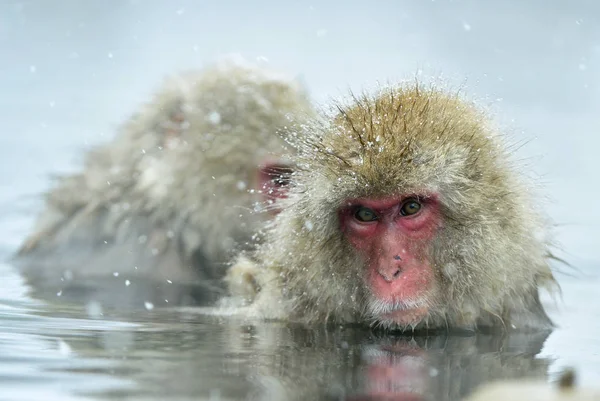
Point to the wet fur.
(169, 199)
(490, 257)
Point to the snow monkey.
(155, 214)
(405, 213)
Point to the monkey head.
(407, 214)
(205, 155)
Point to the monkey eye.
(280, 175)
(410, 207)
(365, 214)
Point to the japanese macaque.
(405, 213)
(155, 214)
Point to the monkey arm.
(242, 279)
(252, 289)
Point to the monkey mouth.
(399, 313)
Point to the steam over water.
(72, 70)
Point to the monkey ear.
(171, 120)
(274, 180)
(177, 119)
(175, 124)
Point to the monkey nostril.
(390, 275)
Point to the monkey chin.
(398, 314)
(405, 317)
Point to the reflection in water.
(448, 368)
(65, 351)
(184, 355)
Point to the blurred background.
(72, 70)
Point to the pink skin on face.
(273, 179)
(396, 248)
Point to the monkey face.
(273, 180)
(394, 235)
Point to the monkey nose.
(389, 274)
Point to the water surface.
(65, 351)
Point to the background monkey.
(155, 213)
(405, 214)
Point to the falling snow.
(214, 118)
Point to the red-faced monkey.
(405, 213)
(155, 214)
